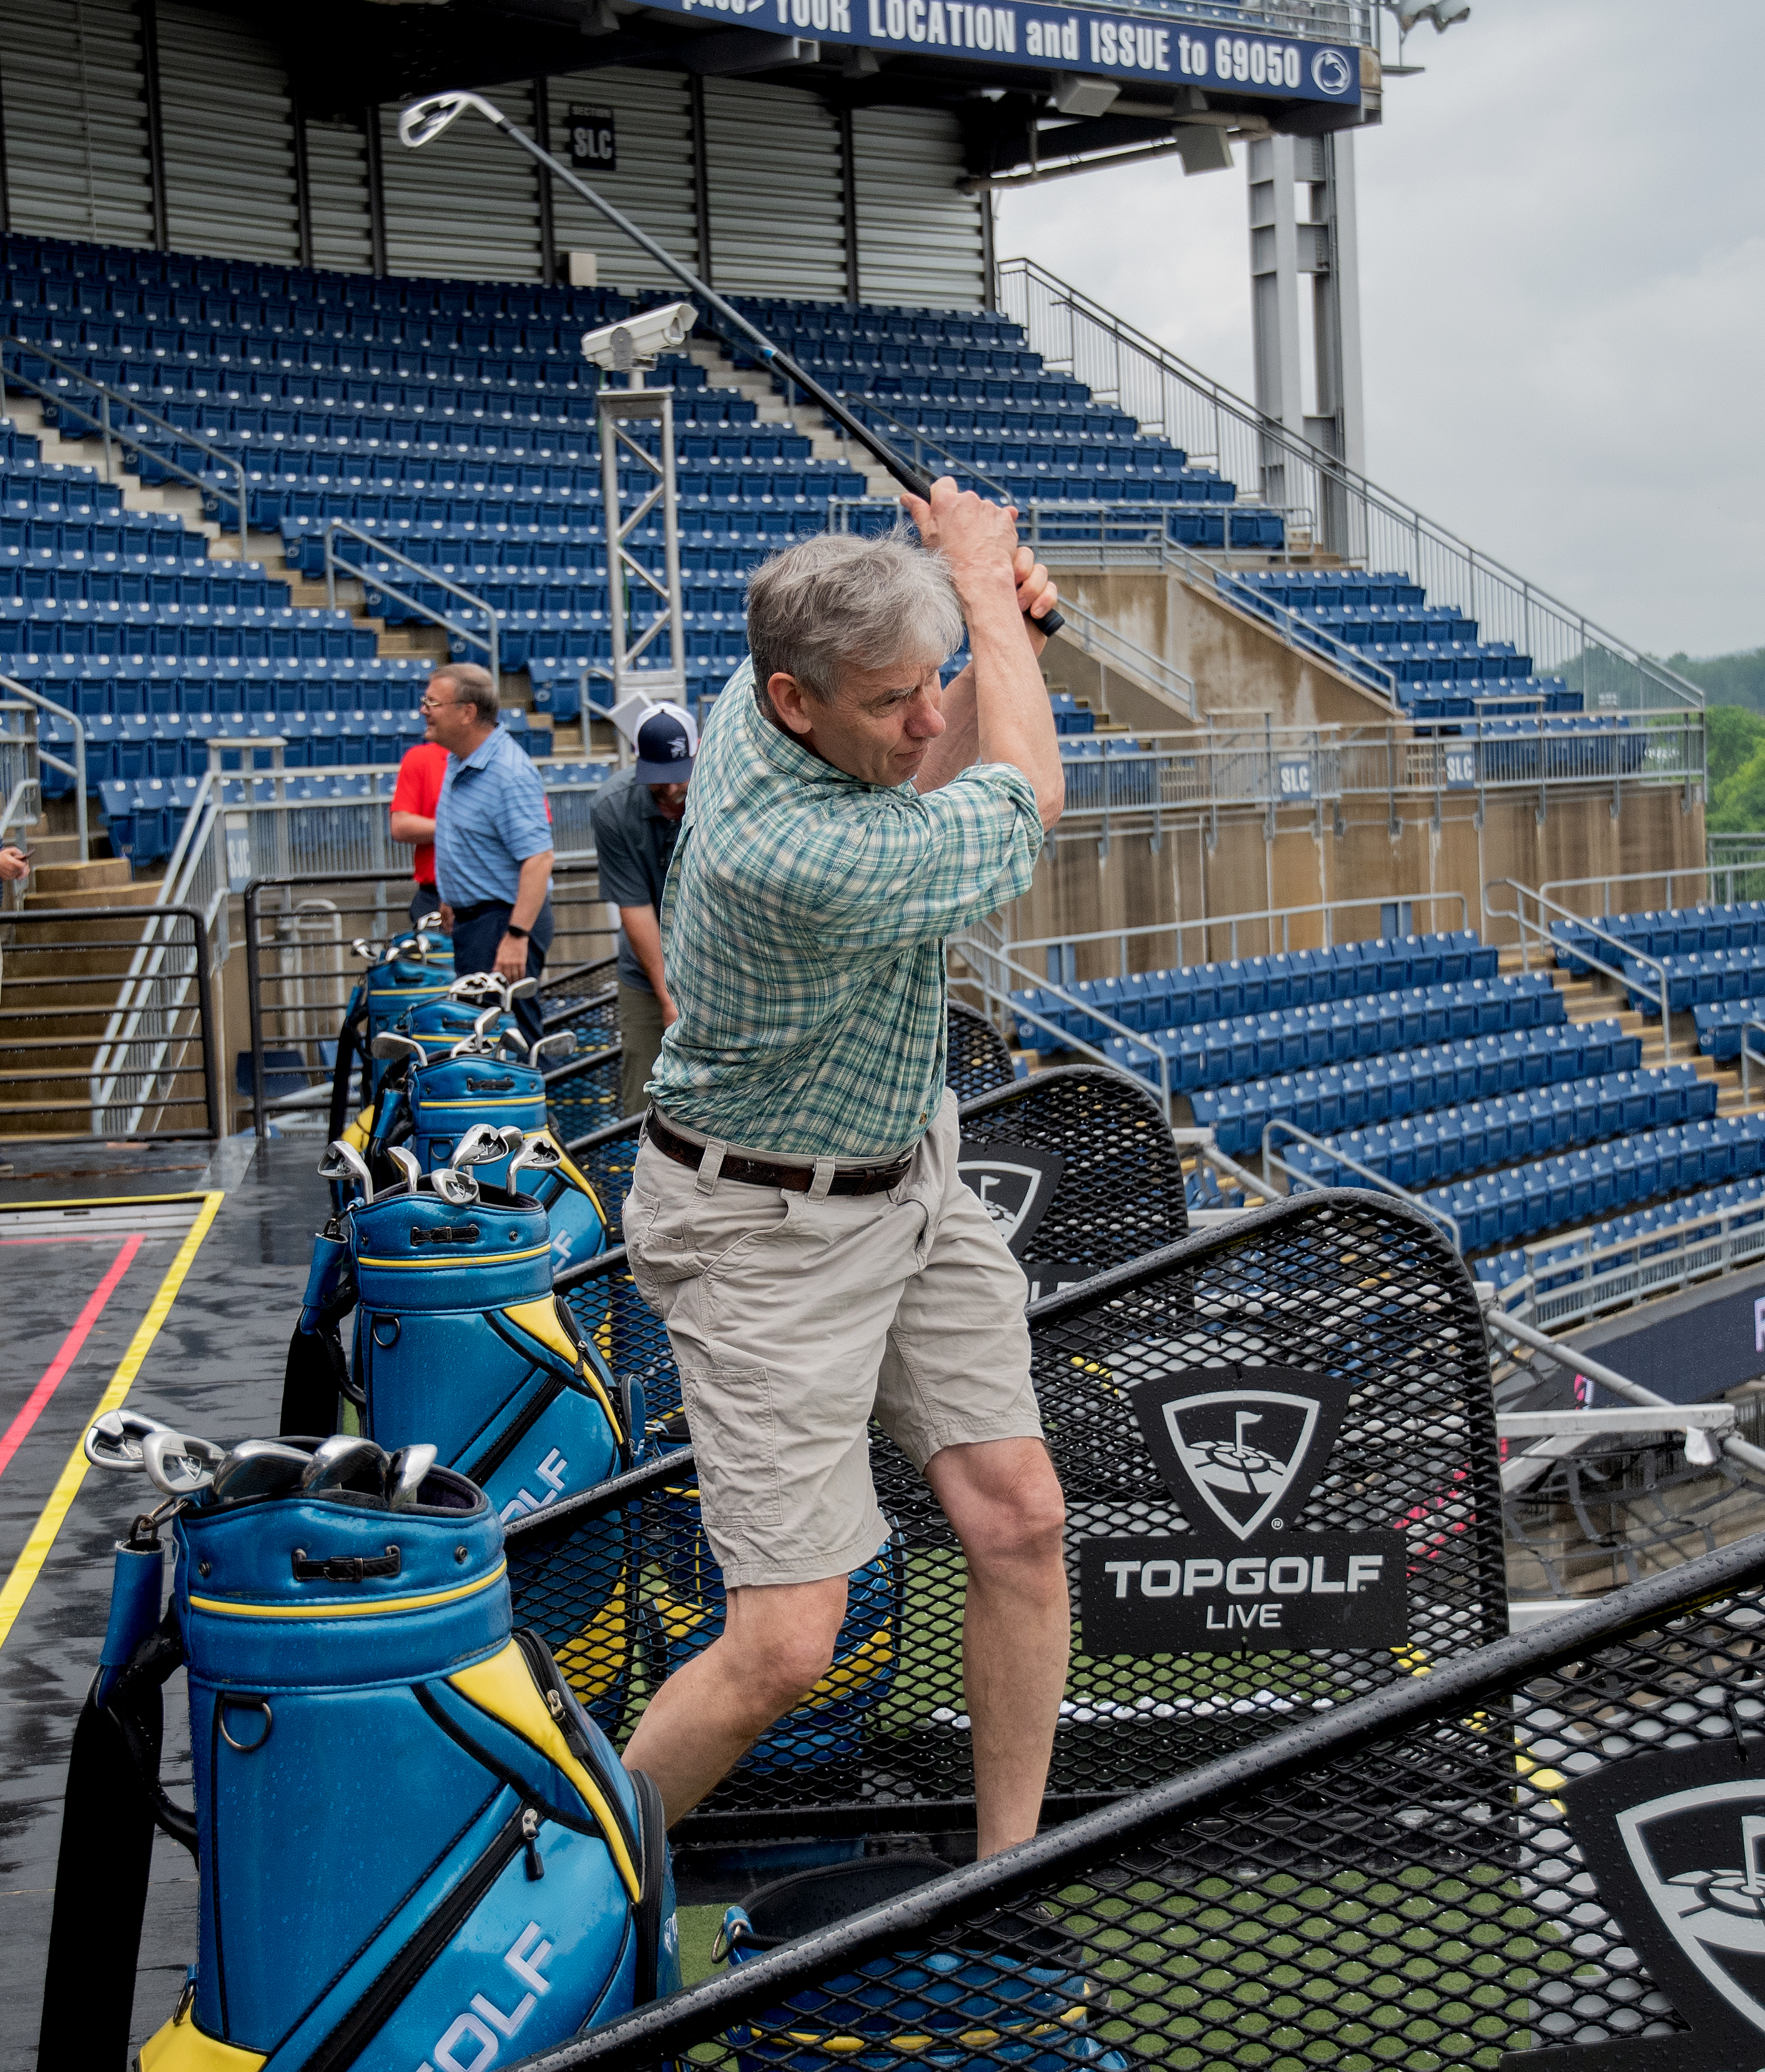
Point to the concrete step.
(92, 879)
(142, 894)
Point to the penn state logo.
(1249, 1443)
(1675, 1840)
(1014, 1183)
(1330, 72)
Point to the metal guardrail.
(1666, 879)
(1299, 1181)
(22, 694)
(1363, 525)
(333, 561)
(1538, 930)
(1737, 862)
(108, 1015)
(103, 423)
(1556, 1293)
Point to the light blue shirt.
(488, 820)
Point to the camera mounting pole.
(425, 119)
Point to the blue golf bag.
(458, 1340)
(413, 1845)
(412, 969)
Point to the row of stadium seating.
(1722, 1027)
(1504, 1208)
(1654, 1233)
(1678, 932)
(1696, 979)
(1443, 670)
(1404, 1083)
(1217, 1054)
(1448, 1142)
(1251, 985)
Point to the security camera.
(634, 343)
(1446, 12)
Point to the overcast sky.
(1562, 281)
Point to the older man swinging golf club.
(795, 1213)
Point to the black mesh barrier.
(582, 1096)
(978, 1058)
(1542, 1856)
(607, 1155)
(585, 998)
(1114, 1177)
(1360, 1309)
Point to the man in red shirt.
(414, 796)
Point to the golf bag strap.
(316, 1375)
(652, 1828)
(114, 1799)
(347, 1037)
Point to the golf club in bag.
(458, 1338)
(425, 119)
(413, 1844)
(410, 969)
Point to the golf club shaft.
(903, 470)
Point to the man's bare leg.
(1004, 1499)
(777, 1643)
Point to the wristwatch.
(520, 934)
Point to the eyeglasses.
(427, 703)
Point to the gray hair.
(840, 601)
(472, 686)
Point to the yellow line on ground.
(29, 1565)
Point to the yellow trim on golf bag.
(360, 1132)
(180, 2046)
(371, 1607)
(542, 1319)
(454, 1264)
(503, 1686)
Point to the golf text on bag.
(1243, 1450)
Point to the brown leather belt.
(766, 1172)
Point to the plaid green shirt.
(803, 923)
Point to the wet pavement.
(214, 1367)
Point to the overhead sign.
(593, 140)
(1242, 1451)
(1120, 45)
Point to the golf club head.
(560, 1043)
(476, 986)
(258, 1467)
(522, 988)
(179, 1466)
(459, 1190)
(424, 120)
(406, 1163)
(370, 952)
(428, 921)
(343, 1459)
(343, 1162)
(405, 1472)
(480, 1146)
(538, 1154)
(389, 1044)
(514, 1137)
(485, 1023)
(115, 1439)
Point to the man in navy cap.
(636, 820)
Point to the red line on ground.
(66, 1237)
(19, 1429)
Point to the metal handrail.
(1663, 875)
(103, 424)
(1517, 914)
(1273, 437)
(1447, 1222)
(76, 769)
(333, 561)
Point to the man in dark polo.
(636, 819)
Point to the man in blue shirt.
(493, 836)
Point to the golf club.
(405, 1473)
(370, 952)
(426, 118)
(340, 1457)
(406, 1162)
(179, 1466)
(341, 1162)
(481, 1145)
(258, 1467)
(560, 1043)
(115, 1439)
(389, 1044)
(539, 1154)
(459, 1190)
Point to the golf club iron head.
(369, 951)
(341, 1458)
(342, 1161)
(115, 1440)
(476, 986)
(560, 1043)
(538, 1154)
(390, 1044)
(481, 1145)
(258, 1467)
(179, 1466)
(459, 1190)
(405, 1473)
(406, 1163)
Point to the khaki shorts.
(794, 1320)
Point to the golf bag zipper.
(558, 1696)
(485, 1465)
(359, 2027)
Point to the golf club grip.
(1048, 625)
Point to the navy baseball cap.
(667, 743)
